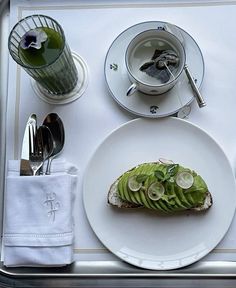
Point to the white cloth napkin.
(38, 221)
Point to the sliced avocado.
(155, 205)
(138, 198)
(126, 193)
(198, 190)
(162, 205)
(144, 200)
(183, 198)
(178, 201)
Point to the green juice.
(52, 65)
(49, 51)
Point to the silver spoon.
(55, 125)
(196, 92)
(200, 101)
(46, 140)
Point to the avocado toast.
(162, 186)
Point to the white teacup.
(141, 50)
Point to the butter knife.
(25, 169)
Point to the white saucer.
(146, 105)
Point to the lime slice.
(184, 179)
(155, 191)
(133, 184)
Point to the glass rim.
(30, 66)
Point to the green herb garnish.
(172, 169)
(159, 175)
(141, 178)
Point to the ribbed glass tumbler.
(37, 43)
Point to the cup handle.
(131, 89)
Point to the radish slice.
(155, 191)
(166, 161)
(133, 184)
(184, 180)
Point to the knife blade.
(25, 169)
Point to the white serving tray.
(90, 27)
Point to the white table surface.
(90, 27)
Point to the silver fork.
(36, 151)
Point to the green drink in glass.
(37, 43)
(49, 51)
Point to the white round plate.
(139, 103)
(140, 236)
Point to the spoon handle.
(201, 102)
(48, 169)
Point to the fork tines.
(36, 150)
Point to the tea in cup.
(154, 60)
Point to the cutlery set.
(41, 144)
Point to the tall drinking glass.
(37, 43)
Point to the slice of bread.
(114, 199)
